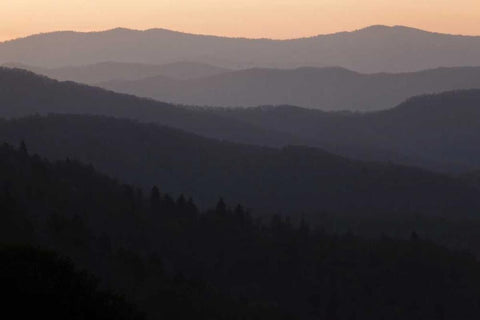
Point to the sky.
(278, 19)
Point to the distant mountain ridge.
(107, 71)
(333, 89)
(373, 49)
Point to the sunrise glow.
(279, 19)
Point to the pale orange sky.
(279, 19)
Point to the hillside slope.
(439, 131)
(175, 261)
(268, 180)
(24, 93)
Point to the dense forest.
(175, 261)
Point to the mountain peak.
(375, 27)
(385, 28)
(118, 29)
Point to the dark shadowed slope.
(318, 88)
(440, 131)
(291, 179)
(107, 71)
(373, 49)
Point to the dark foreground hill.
(37, 283)
(124, 238)
(176, 262)
(334, 89)
(373, 49)
(266, 179)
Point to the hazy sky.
(246, 18)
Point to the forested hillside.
(287, 180)
(176, 261)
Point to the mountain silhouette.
(438, 131)
(434, 131)
(107, 71)
(269, 180)
(24, 93)
(319, 88)
(373, 49)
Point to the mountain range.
(437, 132)
(372, 49)
(201, 177)
(333, 89)
(277, 179)
(24, 93)
(268, 180)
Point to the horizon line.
(235, 37)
